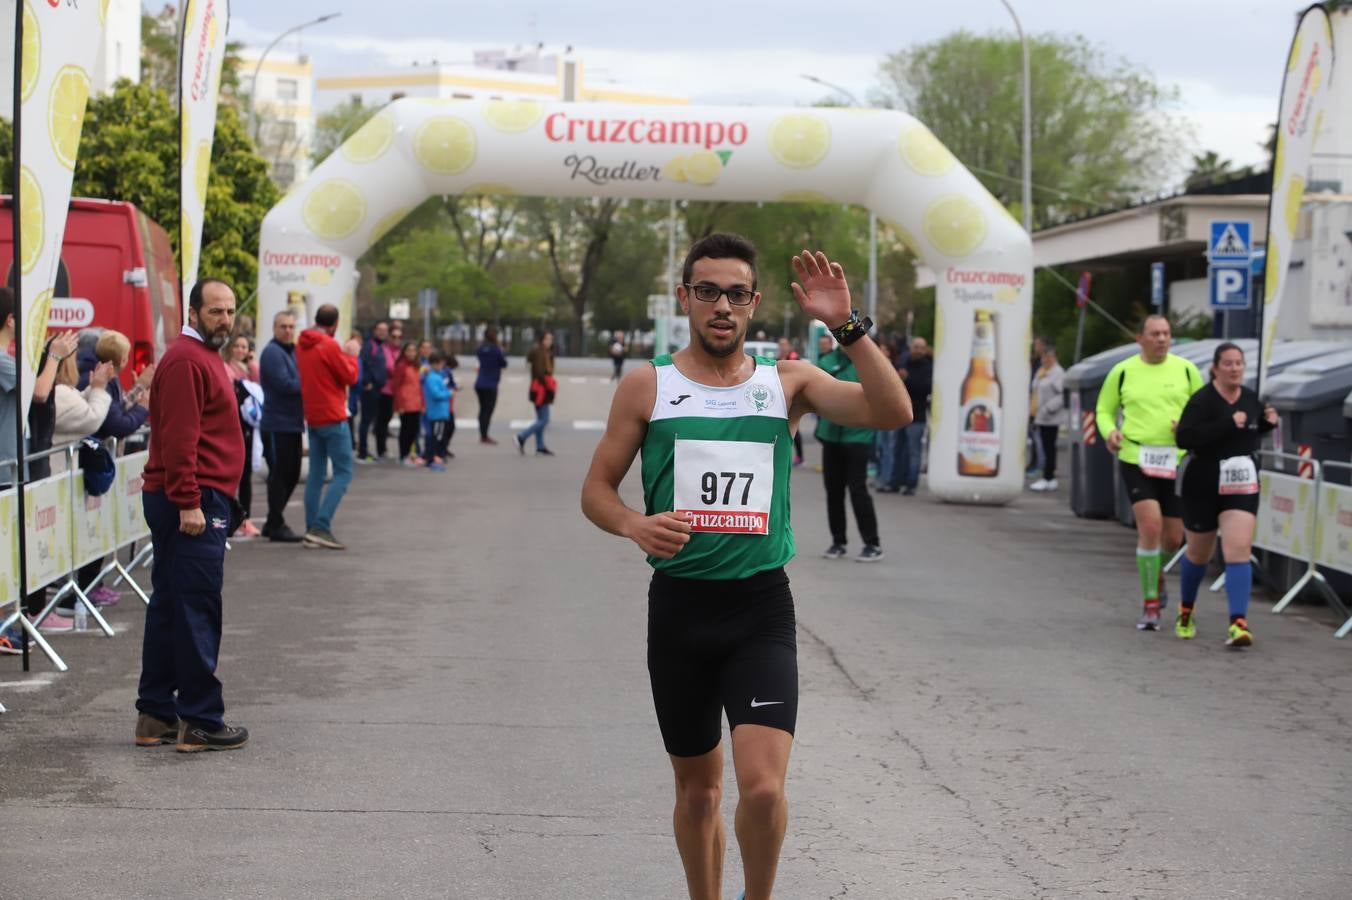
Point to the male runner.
(1151, 390)
(715, 428)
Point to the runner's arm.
(1109, 402)
(879, 399)
(661, 535)
(1199, 426)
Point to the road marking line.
(31, 684)
(577, 380)
(589, 425)
(520, 423)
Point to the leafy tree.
(574, 234)
(159, 49)
(1101, 130)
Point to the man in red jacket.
(326, 372)
(196, 457)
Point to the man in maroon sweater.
(196, 457)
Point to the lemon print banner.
(882, 159)
(1300, 118)
(205, 23)
(56, 44)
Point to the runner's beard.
(734, 343)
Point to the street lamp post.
(1027, 126)
(872, 216)
(253, 88)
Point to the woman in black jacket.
(1221, 428)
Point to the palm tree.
(1207, 168)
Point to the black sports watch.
(855, 327)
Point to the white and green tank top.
(724, 455)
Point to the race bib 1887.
(1159, 462)
(725, 486)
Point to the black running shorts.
(716, 646)
(1203, 502)
(1141, 486)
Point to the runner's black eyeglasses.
(709, 293)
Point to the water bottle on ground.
(81, 617)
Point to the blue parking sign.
(1229, 286)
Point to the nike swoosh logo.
(679, 400)
(757, 704)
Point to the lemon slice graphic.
(31, 225)
(512, 116)
(188, 250)
(65, 112)
(334, 209)
(370, 141)
(103, 12)
(675, 170)
(800, 140)
(32, 54)
(202, 168)
(924, 152)
(36, 325)
(703, 167)
(955, 225)
(446, 145)
(1295, 193)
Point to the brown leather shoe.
(151, 732)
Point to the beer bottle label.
(979, 433)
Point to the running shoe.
(318, 537)
(1150, 618)
(10, 645)
(870, 553)
(489, 441)
(105, 596)
(835, 551)
(1239, 635)
(543, 451)
(57, 624)
(1184, 626)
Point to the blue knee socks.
(1190, 578)
(1238, 586)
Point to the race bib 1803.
(725, 486)
(1239, 475)
(1158, 462)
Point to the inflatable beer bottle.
(979, 424)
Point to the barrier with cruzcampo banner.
(66, 528)
(881, 159)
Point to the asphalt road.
(458, 707)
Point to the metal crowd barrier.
(66, 574)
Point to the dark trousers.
(376, 411)
(439, 433)
(1047, 434)
(183, 621)
(409, 423)
(846, 466)
(488, 400)
(283, 452)
(245, 494)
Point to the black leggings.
(1047, 434)
(488, 399)
(409, 423)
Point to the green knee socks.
(1148, 564)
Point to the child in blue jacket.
(438, 387)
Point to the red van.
(117, 271)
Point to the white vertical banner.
(205, 23)
(1305, 90)
(57, 42)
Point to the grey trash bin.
(1310, 397)
(1092, 480)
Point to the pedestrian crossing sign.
(1229, 241)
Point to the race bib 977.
(725, 486)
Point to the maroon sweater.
(195, 438)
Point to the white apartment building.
(283, 119)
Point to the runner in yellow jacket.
(1150, 389)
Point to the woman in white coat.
(1049, 413)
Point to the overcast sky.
(1226, 58)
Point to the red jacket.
(326, 372)
(406, 386)
(195, 438)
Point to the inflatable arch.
(885, 160)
